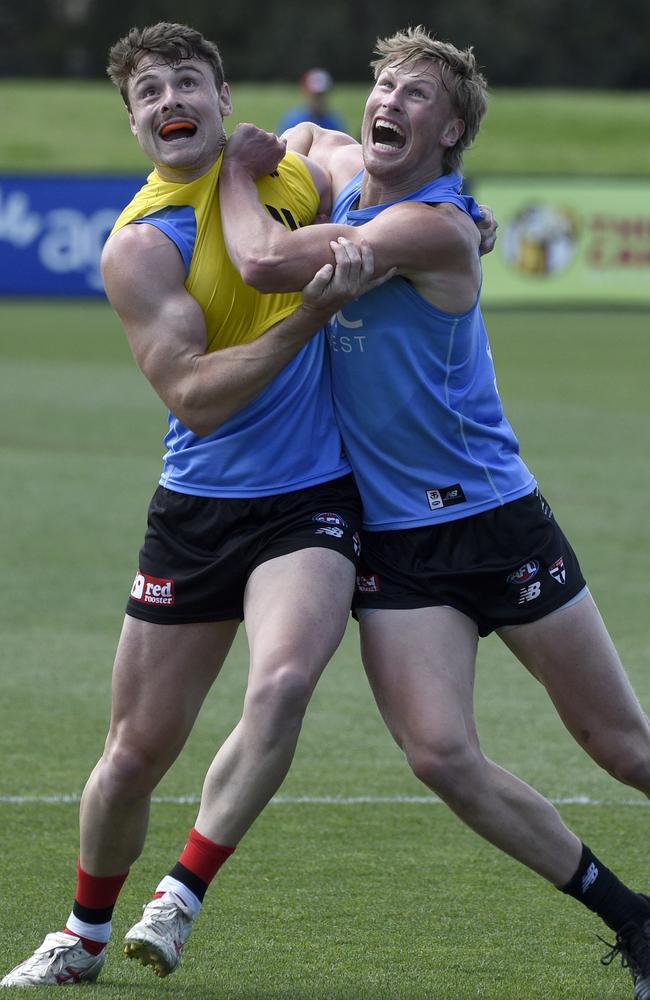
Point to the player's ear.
(225, 101)
(452, 132)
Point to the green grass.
(382, 900)
(65, 125)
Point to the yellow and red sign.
(567, 240)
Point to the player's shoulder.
(137, 257)
(444, 220)
(334, 143)
(132, 239)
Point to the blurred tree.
(583, 43)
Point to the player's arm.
(341, 157)
(408, 236)
(144, 279)
(326, 147)
(271, 258)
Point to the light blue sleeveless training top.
(415, 396)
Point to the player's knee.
(281, 697)
(129, 771)
(631, 766)
(448, 768)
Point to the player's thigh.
(296, 608)
(161, 676)
(421, 665)
(572, 654)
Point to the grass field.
(355, 884)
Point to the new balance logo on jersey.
(557, 571)
(589, 877)
(445, 496)
(152, 589)
(529, 593)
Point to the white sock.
(169, 884)
(94, 932)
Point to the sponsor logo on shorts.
(525, 572)
(330, 518)
(445, 496)
(529, 593)
(368, 584)
(557, 570)
(152, 589)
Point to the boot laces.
(632, 946)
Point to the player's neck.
(182, 175)
(382, 190)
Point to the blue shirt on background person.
(315, 83)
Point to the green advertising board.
(567, 240)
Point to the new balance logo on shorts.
(152, 589)
(529, 593)
(331, 524)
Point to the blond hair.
(460, 76)
(172, 43)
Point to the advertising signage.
(52, 230)
(580, 241)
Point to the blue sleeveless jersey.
(415, 396)
(285, 439)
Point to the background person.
(316, 84)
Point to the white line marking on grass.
(317, 800)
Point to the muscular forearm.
(268, 256)
(219, 384)
(167, 333)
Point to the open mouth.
(178, 129)
(387, 134)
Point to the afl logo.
(328, 518)
(525, 572)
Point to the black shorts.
(507, 566)
(198, 552)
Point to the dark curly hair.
(171, 42)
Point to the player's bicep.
(419, 238)
(299, 138)
(144, 280)
(322, 183)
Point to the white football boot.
(61, 960)
(158, 939)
